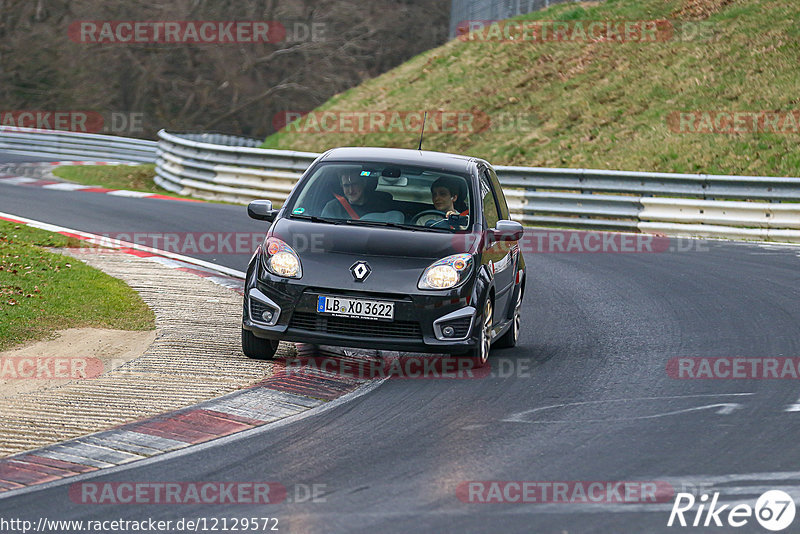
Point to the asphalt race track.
(16, 158)
(586, 396)
(122, 217)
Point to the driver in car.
(359, 198)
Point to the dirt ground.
(75, 354)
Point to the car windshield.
(414, 198)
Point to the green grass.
(600, 105)
(132, 178)
(41, 292)
(128, 177)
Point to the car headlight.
(280, 259)
(447, 272)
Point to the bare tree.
(236, 88)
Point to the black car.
(387, 249)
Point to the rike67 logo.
(774, 510)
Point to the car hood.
(396, 257)
(310, 238)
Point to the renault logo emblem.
(360, 271)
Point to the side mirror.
(508, 231)
(262, 210)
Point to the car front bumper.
(418, 326)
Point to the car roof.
(401, 156)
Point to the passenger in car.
(359, 198)
(446, 197)
(444, 194)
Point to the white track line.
(115, 243)
(219, 442)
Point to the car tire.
(480, 354)
(510, 338)
(257, 348)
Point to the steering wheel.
(434, 216)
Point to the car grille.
(346, 326)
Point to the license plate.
(362, 308)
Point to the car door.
(497, 255)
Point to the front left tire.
(480, 354)
(510, 338)
(257, 348)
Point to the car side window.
(490, 211)
(501, 198)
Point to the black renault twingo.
(387, 249)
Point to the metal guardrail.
(704, 186)
(193, 165)
(763, 221)
(577, 198)
(232, 168)
(221, 139)
(615, 199)
(190, 164)
(76, 145)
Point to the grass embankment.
(601, 105)
(41, 292)
(130, 177)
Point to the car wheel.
(480, 354)
(510, 338)
(257, 348)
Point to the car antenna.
(423, 130)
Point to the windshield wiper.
(314, 218)
(361, 222)
(411, 227)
